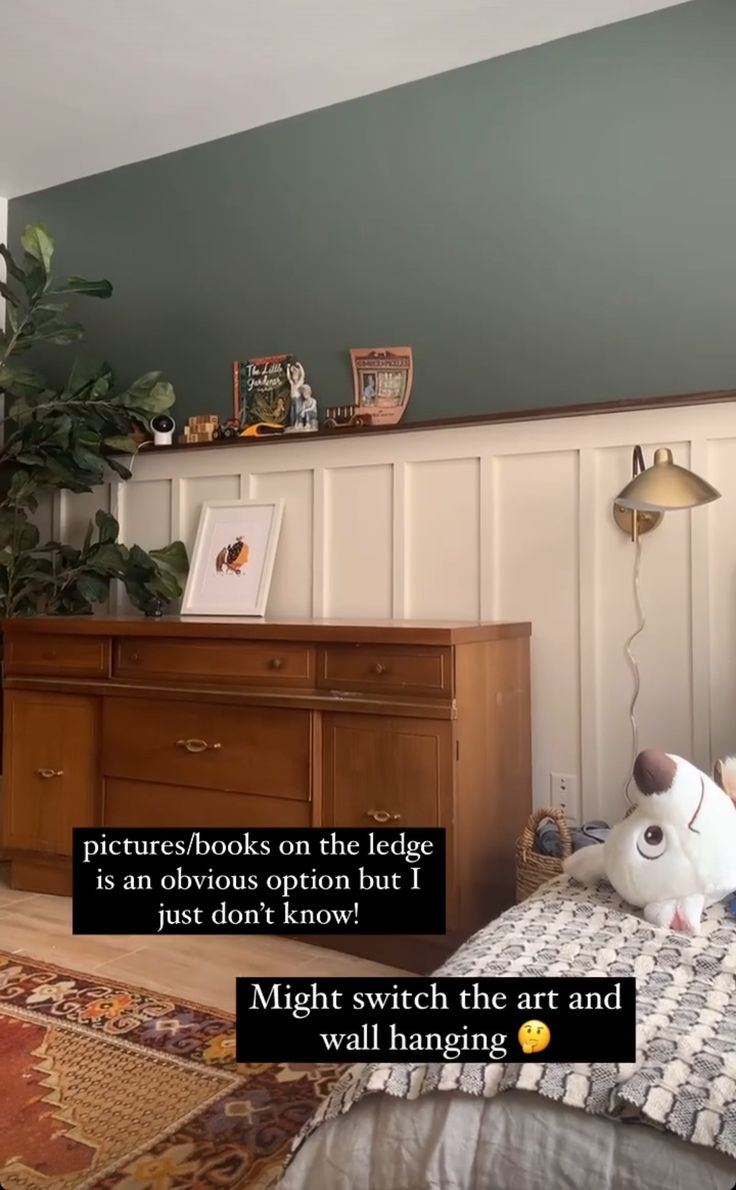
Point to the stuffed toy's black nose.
(654, 771)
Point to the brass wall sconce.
(639, 508)
(652, 491)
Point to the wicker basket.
(533, 868)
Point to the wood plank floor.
(202, 969)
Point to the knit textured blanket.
(684, 1077)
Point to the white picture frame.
(222, 582)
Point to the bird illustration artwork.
(232, 558)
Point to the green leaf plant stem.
(68, 440)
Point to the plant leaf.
(174, 557)
(55, 331)
(87, 460)
(9, 295)
(98, 289)
(141, 560)
(20, 382)
(107, 525)
(119, 468)
(21, 488)
(123, 443)
(162, 397)
(93, 587)
(34, 281)
(141, 386)
(7, 522)
(106, 558)
(148, 395)
(138, 595)
(69, 555)
(27, 537)
(85, 372)
(38, 244)
(57, 432)
(164, 584)
(62, 476)
(14, 270)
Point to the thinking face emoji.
(534, 1036)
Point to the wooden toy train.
(339, 416)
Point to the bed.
(667, 1120)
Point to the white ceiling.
(87, 85)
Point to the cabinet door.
(382, 771)
(51, 743)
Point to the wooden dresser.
(202, 722)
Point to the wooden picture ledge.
(627, 405)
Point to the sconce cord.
(634, 668)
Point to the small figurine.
(227, 429)
(304, 412)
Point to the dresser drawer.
(235, 662)
(421, 669)
(49, 653)
(254, 750)
(129, 803)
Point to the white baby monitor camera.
(163, 428)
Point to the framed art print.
(233, 558)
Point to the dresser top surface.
(354, 631)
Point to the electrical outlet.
(565, 794)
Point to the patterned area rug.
(105, 1085)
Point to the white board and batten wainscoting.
(499, 521)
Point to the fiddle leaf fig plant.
(68, 439)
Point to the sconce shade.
(664, 486)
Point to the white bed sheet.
(515, 1141)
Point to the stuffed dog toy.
(724, 774)
(675, 853)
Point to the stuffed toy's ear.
(586, 865)
(724, 774)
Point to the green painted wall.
(551, 227)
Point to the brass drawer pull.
(378, 668)
(47, 774)
(275, 663)
(197, 745)
(382, 816)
